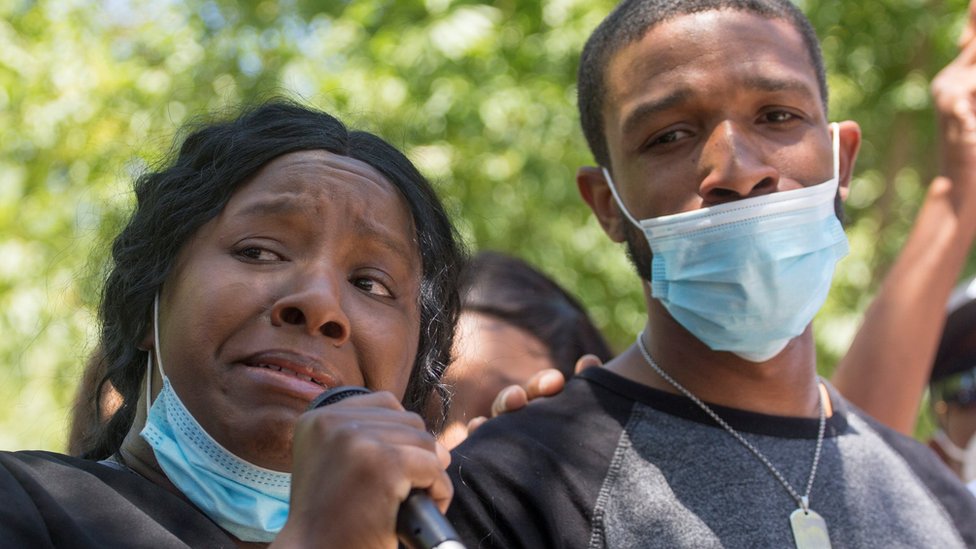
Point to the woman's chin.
(268, 445)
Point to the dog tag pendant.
(809, 530)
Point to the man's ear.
(850, 143)
(594, 189)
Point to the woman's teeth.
(303, 377)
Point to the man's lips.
(296, 365)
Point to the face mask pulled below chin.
(747, 276)
(248, 501)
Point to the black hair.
(513, 291)
(632, 19)
(955, 353)
(215, 160)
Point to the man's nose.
(734, 167)
(314, 303)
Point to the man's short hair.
(631, 20)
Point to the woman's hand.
(354, 462)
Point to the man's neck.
(785, 385)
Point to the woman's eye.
(373, 286)
(259, 254)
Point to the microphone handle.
(420, 524)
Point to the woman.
(276, 256)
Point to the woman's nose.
(734, 167)
(315, 305)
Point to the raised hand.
(954, 95)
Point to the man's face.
(709, 108)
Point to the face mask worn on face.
(248, 501)
(966, 457)
(747, 276)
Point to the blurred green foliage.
(481, 96)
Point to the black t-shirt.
(53, 500)
(610, 463)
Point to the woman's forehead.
(315, 186)
(321, 163)
(314, 178)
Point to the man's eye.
(779, 116)
(667, 138)
(373, 287)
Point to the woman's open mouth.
(288, 371)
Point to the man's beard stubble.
(638, 251)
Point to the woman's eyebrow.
(283, 204)
(387, 239)
(290, 205)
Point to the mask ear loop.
(620, 202)
(155, 352)
(835, 129)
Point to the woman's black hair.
(211, 164)
(513, 291)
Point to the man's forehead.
(690, 46)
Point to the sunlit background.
(480, 95)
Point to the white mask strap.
(620, 202)
(954, 452)
(835, 130)
(155, 352)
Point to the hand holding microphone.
(353, 468)
(420, 525)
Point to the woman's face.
(308, 279)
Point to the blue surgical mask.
(747, 276)
(248, 501)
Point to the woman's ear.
(148, 340)
(595, 190)
(850, 143)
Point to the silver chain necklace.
(809, 528)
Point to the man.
(719, 170)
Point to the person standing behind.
(515, 321)
(719, 171)
(952, 386)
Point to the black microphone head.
(335, 394)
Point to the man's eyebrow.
(642, 112)
(636, 117)
(773, 84)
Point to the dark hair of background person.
(214, 161)
(631, 20)
(511, 290)
(956, 353)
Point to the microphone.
(420, 525)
